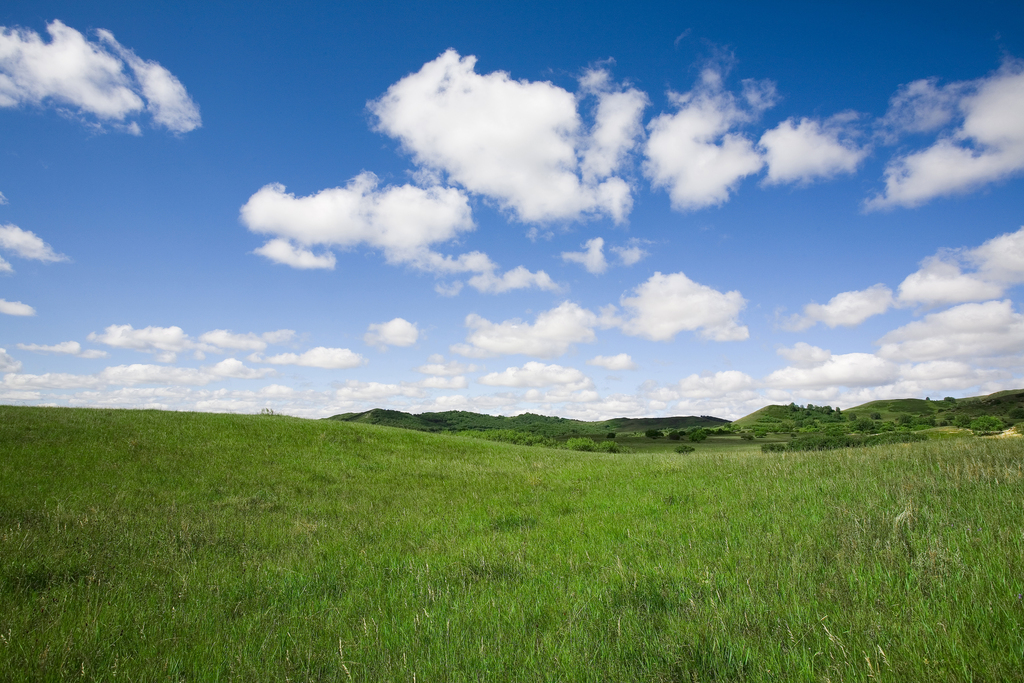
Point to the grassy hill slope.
(179, 546)
(458, 420)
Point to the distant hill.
(1006, 404)
(458, 420)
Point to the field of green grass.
(155, 546)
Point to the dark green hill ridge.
(459, 420)
(1007, 405)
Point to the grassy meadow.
(155, 546)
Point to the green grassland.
(152, 546)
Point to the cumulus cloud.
(356, 391)
(319, 357)
(987, 146)
(847, 309)
(404, 222)
(621, 361)
(534, 374)
(396, 332)
(90, 79)
(166, 342)
(7, 363)
(27, 245)
(70, 348)
(811, 150)
(282, 251)
(592, 258)
(130, 375)
(166, 98)
(515, 141)
(632, 253)
(16, 308)
(816, 368)
(941, 280)
(694, 152)
(965, 332)
(437, 366)
(400, 220)
(226, 339)
(457, 382)
(665, 305)
(551, 334)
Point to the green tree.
(698, 435)
(653, 433)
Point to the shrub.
(986, 423)
(683, 448)
(773, 447)
(653, 433)
(611, 447)
(674, 436)
(581, 444)
(611, 435)
(823, 442)
(747, 437)
(698, 435)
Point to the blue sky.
(581, 209)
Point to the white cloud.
(375, 391)
(15, 308)
(997, 264)
(551, 335)
(86, 77)
(620, 361)
(722, 383)
(437, 367)
(402, 221)
(232, 367)
(517, 278)
(848, 309)
(986, 147)
(665, 305)
(457, 382)
(940, 281)
(166, 98)
(920, 107)
(226, 339)
(632, 254)
(167, 342)
(7, 363)
(396, 332)
(70, 348)
(617, 125)
(810, 150)
(817, 371)
(282, 251)
(517, 142)
(130, 375)
(968, 332)
(693, 152)
(5, 267)
(27, 245)
(534, 374)
(3, 199)
(319, 357)
(803, 355)
(592, 258)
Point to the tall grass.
(174, 546)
